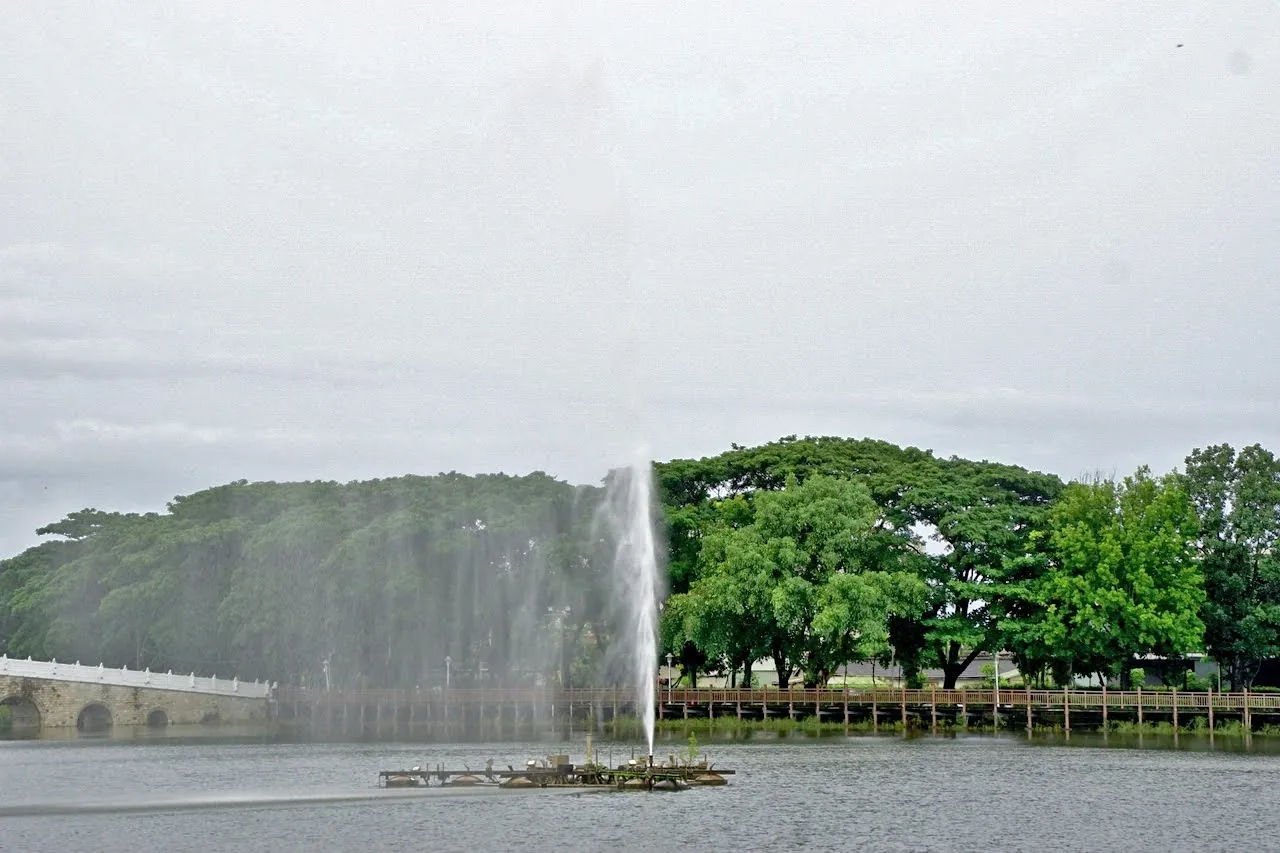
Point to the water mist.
(637, 579)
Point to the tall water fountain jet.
(637, 578)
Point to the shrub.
(1198, 683)
(691, 751)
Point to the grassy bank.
(630, 727)
(1198, 726)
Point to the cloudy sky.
(286, 240)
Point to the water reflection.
(864, 792)
(1232, 742)
(675, 739)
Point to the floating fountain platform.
(558, 771)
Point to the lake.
(868, 793)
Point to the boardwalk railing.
(125, 677)
(1018, 698)
(810, 698)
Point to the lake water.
(968, 793)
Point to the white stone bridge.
(50, 694)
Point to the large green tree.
(981, 516)
(963, 520)
(378, 581)
(1237, 499)
(1118, 578)
(807, 580)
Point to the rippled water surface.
(858, 793)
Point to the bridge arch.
(94, 718)
(24, 714)
(157, 718)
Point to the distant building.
(860, 674)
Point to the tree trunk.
(954, 665)
(781, 667)
(911, 674)
(1241, 672)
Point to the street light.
(670, 680)
(995, 710)
(448, 662)
(566, 671)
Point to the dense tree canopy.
(968, 516)
(1120, 579)
(807, 553)
(1237, 499)
(805, 582)
(381, 579)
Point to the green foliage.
(1237, 500)
(980, 513)
(1137, 677)
(813, 552)
(1197, 683)
(691, 751)
(1119, 579)
(983, 515)
(384, 579)
(806, 581)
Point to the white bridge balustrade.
(125, 677)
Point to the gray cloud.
(282, 241)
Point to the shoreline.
(667, 732)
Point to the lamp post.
(670, 679)
(995, 709)
(566, 670)
(448, 662)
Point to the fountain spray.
(638, 579)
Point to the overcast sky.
(286, 240)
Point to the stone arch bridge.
(49, 694)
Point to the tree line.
(805, 552)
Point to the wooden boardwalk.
(927, 708)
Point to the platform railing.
(124, 677)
